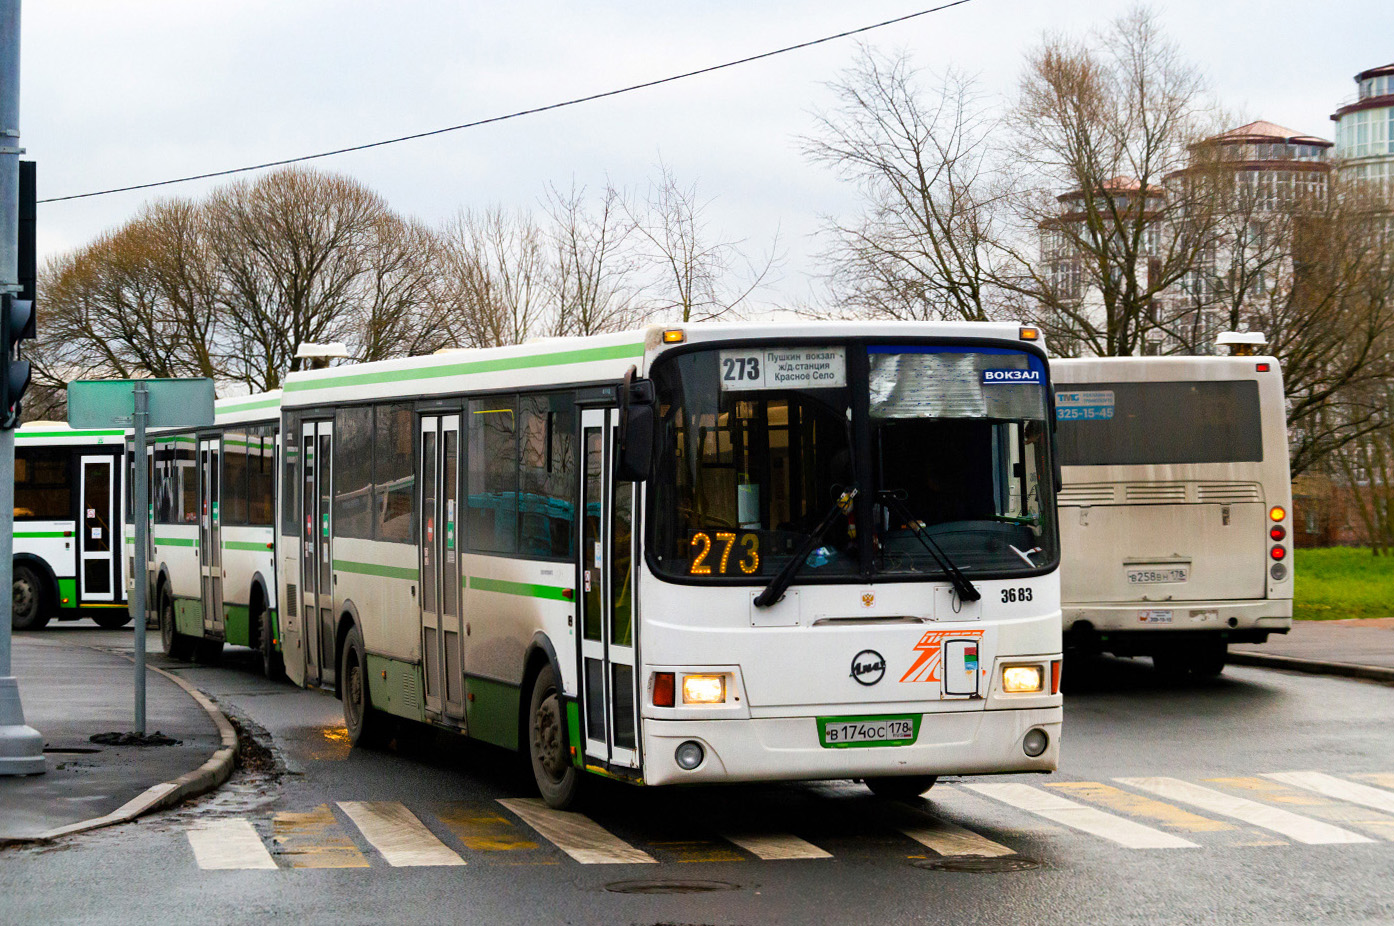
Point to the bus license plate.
(1157, 575)
(839, 732)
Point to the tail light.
(1278, 532)
(1277, 513)
(1277, 552)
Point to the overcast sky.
(120, 93)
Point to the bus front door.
(210, 547)
(442, 638)
(608, 683)
(99, 518)
(316, 577)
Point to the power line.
(514, 115)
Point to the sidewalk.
(1355, 648)
(71, 692)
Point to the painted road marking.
(398, 835)
(314, 840)
(1085, 819)
(776, 846)
(943, 837)
(1342, 790)
(484, 829)
(695, 850)
(575, 834)
(1284, 822)
(1383, 779)
(1137, 805)
(228, 844)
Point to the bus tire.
(273, 665)
(208, 652)
(900, 787)
(176, 645)
(1210, 661)
(28, 611)
(367, 726)
(112, 620)
(557, 779)
(1171, 665)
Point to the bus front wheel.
(112, 620)
(557, 779)
(272, 663)
(901, 787)
(176, 645)
(28, 602)
(366, 725)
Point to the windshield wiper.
(780, 583)
(967, 591)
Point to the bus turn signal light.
(1277, 513)
(673, 336)
(1277, 552)
(663, 689)
(1055, 677)
(703, 689)
(1030, 334)
(1022, 679)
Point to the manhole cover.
(670, 887)
(975, 863)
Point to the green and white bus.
(708, 553)
(67, 526)
(212, 534)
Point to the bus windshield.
(947, 447)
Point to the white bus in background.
(1176, 510)
(710, 553)
(67, 526)
(212, 534)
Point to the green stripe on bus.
(19, 435)
(262, 547)
(43, 533)
(250, 406)
(176, 541)
(526, 589)
(373, 569)
(501, 364)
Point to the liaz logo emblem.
(868, 599)
(868, 667)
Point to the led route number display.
(712, 553)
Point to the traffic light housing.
(16, 324)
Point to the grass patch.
(1341, 582)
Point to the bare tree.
(401, 307)
(495, 265)
(595, 286)
(696, 278)
(922, 246)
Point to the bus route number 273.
(719, 553)
(1016, 594)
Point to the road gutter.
(1313, 666)
(201, 780)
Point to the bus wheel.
(28, 602)
(1210, 662)
(208, 652)
(366, 725)
(176, 645)
(112, 620)
(272, 664)
(1171, 665)
(901, 787)
(557, 779)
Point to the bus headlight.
(1022, 679)
(703, 689)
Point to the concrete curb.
(201, 780)
(1313, 666)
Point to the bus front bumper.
(970, 742)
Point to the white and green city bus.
(212, 534)
(709, 553)
(67, 526)
(1176, 507)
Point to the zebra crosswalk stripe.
(575, 834)
(1085, 819)
(398, 835)
(947, 838)
(776, 846)
(1284, 822)
(223, 845)
(1339, 788)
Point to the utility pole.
(21, 746)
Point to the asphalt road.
(1196, 833)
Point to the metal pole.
(21, 746)
(141, 474)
